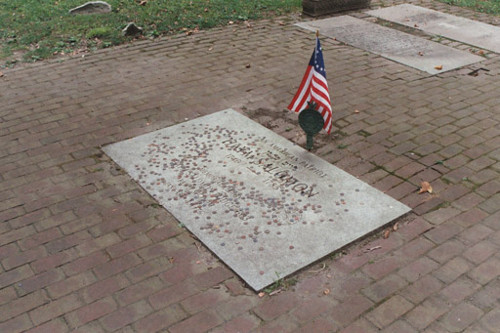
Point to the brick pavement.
(83, 248)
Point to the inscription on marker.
(265, 206)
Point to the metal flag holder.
(311, 122)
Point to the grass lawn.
(40, 29)
(484, 6)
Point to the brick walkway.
(82, 247)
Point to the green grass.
(40, 29)
(484, 6)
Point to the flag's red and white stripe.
(314, 87)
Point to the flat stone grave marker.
(471, 32)
(392, 44)
(262, 204)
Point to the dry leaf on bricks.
(425, 187)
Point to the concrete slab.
(471, 32)
(264, 205)
(392, 44)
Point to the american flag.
(314, 88)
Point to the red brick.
(443, 232)
(116, 266)
(460, 317)
(148, 269)
(491, 320)
(57, 325)
(389, 311)
(160, 320)
(487, 271)
(413, 228)
(172, 294)
(236, 306)
(67, 242)
(380, 268)
(418, 268)
(96, 244)
(470, 217)
(421, 289)
(29, 218)
(360, 326)
(312, 308)
(138, 291)
(40, 281)
(8, 250)
(385, 287)
(7, 294)
(351, 308)
(55, 309)
(480, 252)
(452, 269)
(201, 322)
(212, 277)
(127, 246)
(70, 284)
(52, 261)
(40, 238)
(82, 264)
(276, 306)
(163, 232)
(427, 312)
(206, 299)
(22, 305)
(446, 251)
(459, 290)
(415, 248)
(22, 258)
(18, 324)
(103, 288)
(17, 234)
(127, 315)
(91, 312)
(441, 215)
(235, 286)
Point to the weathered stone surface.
(264, 205)
(92, 7)
(471, 32)
(392, 44)
(131, 29)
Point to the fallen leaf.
(481, 52)
(249, 25)
(143, 3)
(386, 233)
(205, 10)
(440, 67)
(421, 54)
(415, 25)
(395, 227)
(356, 111)
(262, 294)
(281, 23)
(1, 74)
(210, 48)
(198, 262)
(230, 22)
(425, 187)
(326, 291)
(248, 65)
